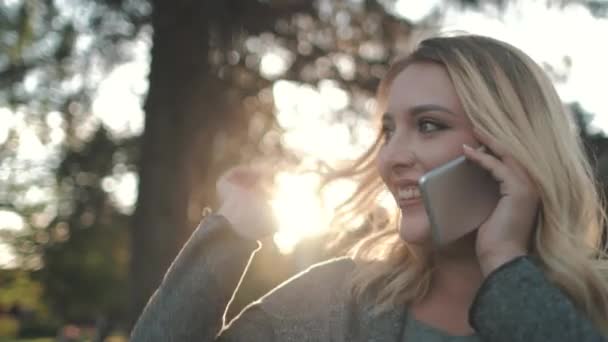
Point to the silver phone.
(458, 196)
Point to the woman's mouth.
(408, 192)
(408, 196)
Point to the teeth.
(408, 192)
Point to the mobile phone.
(458, 197)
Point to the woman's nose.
(400, 160)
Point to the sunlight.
(416, 10)
(9, 221)
(274, 63)
(6, 117)
(118, 102)
(7, 256)
(571, 51)
(30, 147)
(305, 111)
(122, 188)
(299, 211)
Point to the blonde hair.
(508, 96)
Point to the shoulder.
(313, 303)
(318, 289)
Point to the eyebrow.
(417, 110)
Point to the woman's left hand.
(507, 232)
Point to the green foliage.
(85, 273)
(74, 235)
(18, 287)
(9, 327)
(22, 290)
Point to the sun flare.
(299, 211)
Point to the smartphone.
(458, 196)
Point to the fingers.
(491, 143)
(488, 162)
(503, 154)
(504, 168)
(244, 178)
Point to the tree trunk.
(177, 115)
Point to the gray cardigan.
(516, 303)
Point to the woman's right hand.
(244, 202)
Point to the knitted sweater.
(515, 303)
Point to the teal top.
(419, 331)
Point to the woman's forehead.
(422, 84)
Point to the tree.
(75, 238)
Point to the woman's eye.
(387, 132)
(429, 126)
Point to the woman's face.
(424, 127)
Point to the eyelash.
(386, 130)
(436, 124)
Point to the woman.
(533, 271)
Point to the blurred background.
(118, 116)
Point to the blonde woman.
(533, 271)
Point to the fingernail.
(467, 147)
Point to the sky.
(573, 49)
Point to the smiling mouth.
(408, 192)
(410, 202)
(408, 195)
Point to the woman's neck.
(456, 279)
(456, 272)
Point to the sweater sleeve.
(311, 306)
(517, 303)
(190, 303)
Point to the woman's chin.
(415, 230)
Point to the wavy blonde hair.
(507, 95)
